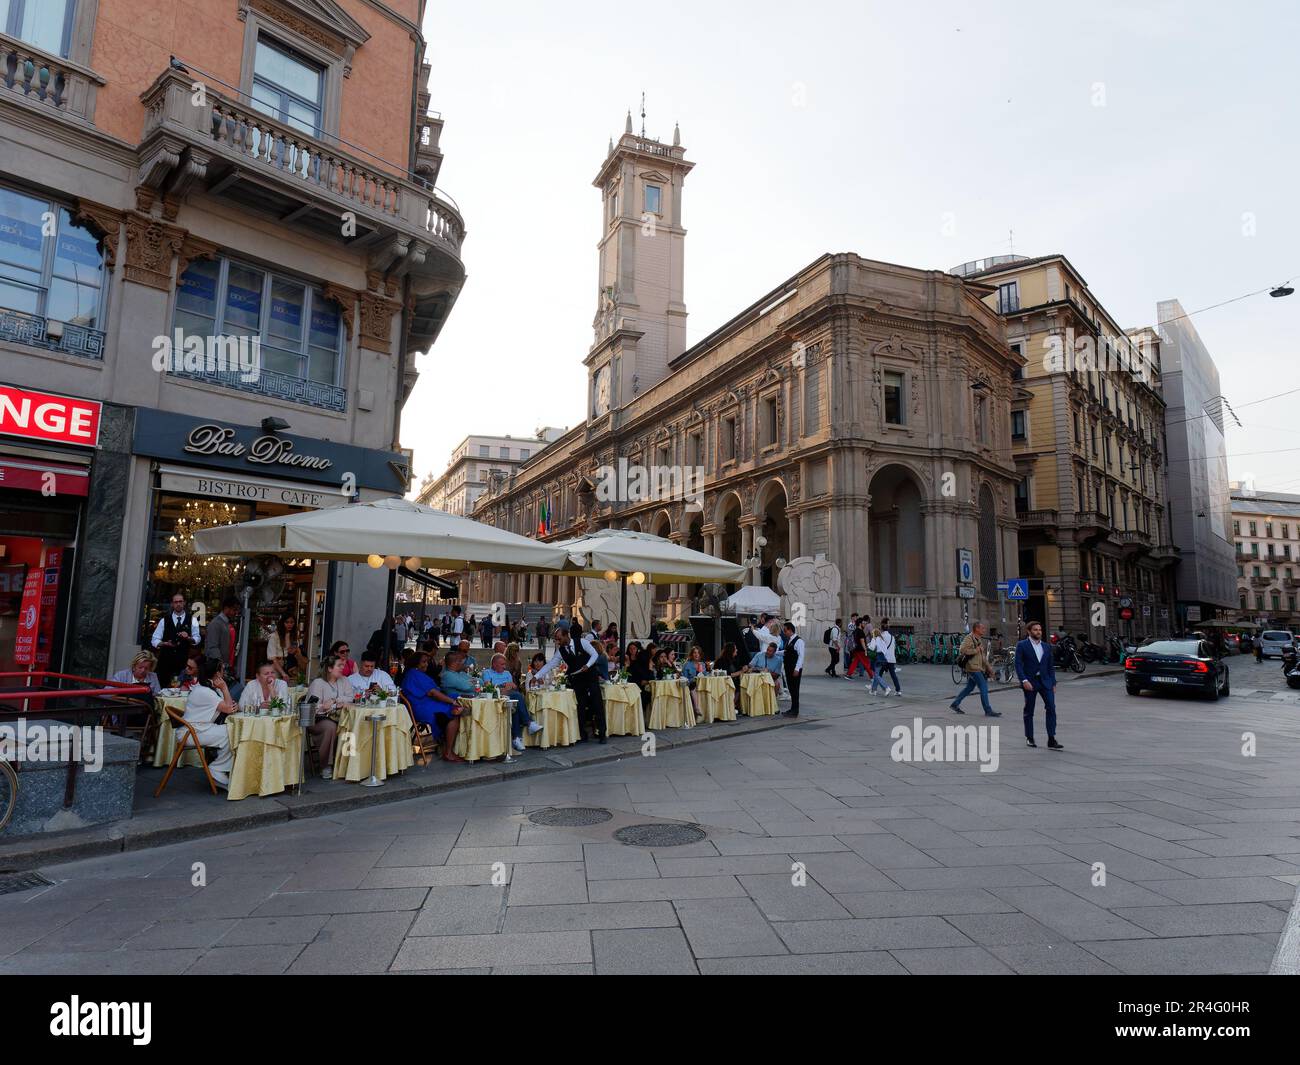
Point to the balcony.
(1260, 582)
(45, 81)
(1290, 582)
(900, 608)
(1091, 525)
(276, 385)
(1134, 542)
(64, 337)
(1038, 526)
(1165, 554)
(333, 191)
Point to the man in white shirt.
(887, 645)
(794, 652)
(174, 635)
(457, 626)
(264, 687)
(368, 674)
(580, 663)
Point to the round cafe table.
(670, 705)
(624, 715)
(717, 697)
(485, 730)
(352, 746)
(165, 744)
(268, 753)
(758, 694)
(557, 710)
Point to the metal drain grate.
(570, 816)
(659, 835)
(12, 883)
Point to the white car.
(1275, 642)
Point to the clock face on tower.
(600, 392)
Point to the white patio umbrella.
(384, 532)
(624, 555)
(385, 529)
(754, 599)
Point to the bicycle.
(8, 793)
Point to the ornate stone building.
(856, 416)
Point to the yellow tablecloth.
(268, 754)
(717, 696)
(485, 730)
(165, 746)
(352, 747)
(758, 695)
(557, 709)
(623, 713)
(670, 705)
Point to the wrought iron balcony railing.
(276, 385)
(38, 332)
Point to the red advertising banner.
(43, 416)
(29, 616)
(49, 606)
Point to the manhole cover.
(570, 816)
(10, 883)
(659, 835)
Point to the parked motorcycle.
(1065, 653)
(1291, 669)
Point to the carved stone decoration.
(150, 247)
(377, 321)
(105, 224)
(346, 298)
(794, 485)
(193, 248)
(329, 41)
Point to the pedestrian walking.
(878, 657)
(888, 656)
(860, 656)
(1038, 678)
(832, 639)
(972, 658)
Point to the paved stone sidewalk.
(902, 867)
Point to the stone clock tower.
(640, 323)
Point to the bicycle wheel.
(8, 793)
(958, 674)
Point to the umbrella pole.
(622, 617)
(388, 618)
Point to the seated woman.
(532, 681)
(140, 671)
(341, 650)
(264, 687)
(190, 676)
(333, 692)
(206, 710)
(640, 671)
(429, 704)
(728, 663)
(497, 674)
(283, 650)
(693, 668)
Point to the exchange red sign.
(43, 416)
(29, 618)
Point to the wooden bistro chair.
(424, 744)
(189, 740)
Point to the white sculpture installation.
(810, 595)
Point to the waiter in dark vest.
(176, 634)
(794, 651)
(579, 661)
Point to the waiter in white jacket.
(794, 652)
(579, 661)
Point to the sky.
(1154, 144)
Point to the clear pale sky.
(1154, 144)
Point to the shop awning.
(446, 589)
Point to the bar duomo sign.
(249, 450)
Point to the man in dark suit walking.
(1037, 677)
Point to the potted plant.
(278, 706)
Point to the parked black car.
(1176, 665)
